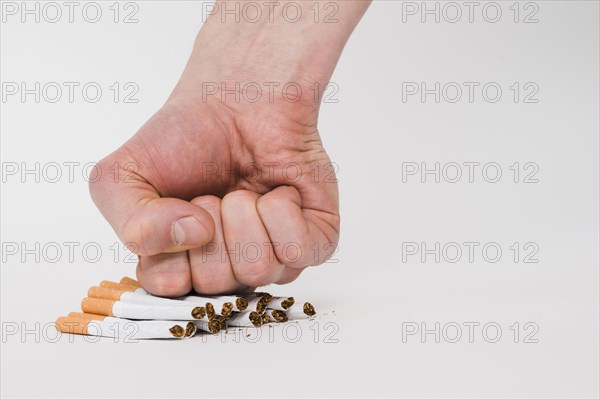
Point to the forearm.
(286, 41)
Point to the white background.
(371, 295)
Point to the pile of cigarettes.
(125, 309)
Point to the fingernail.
(189, 231)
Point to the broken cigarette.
(212, 326)
(196, 311)
(99, 325)
(225, 307)
(276, 315)
(124, 309)
(281, 303)
(190, 326)
(113, 309)
(298, 311)
(265, 318)
(239, 303)
(246, 318)
(258, 301)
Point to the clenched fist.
(228, 187)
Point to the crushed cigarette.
(276, 315)
(99, 325)
(281, 303)
(123, 309)
(246, 318)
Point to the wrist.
(277, 47)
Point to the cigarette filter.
(121, 286)
(130, 281)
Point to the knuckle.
(207, 202)
(268, 201)
(163, 275)
(295, 255)
(256, 274)
(209, 283)
(239, 196)
(161, 285)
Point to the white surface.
(369, 133)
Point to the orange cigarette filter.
(100, 292)
(92, 305)
(74, 325)
(130, 281)
(86, 316)
(118, 286)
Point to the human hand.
(228, 192)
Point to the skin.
(223, 194)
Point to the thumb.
(146, 222)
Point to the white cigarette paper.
(300, 311)
(128, 329)
(197, 312)
(240, 303)
(246, 318)
(152, 311)
(133, 330)
(213, 326)
(281, 303)
(277, 315)
(223, 307)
